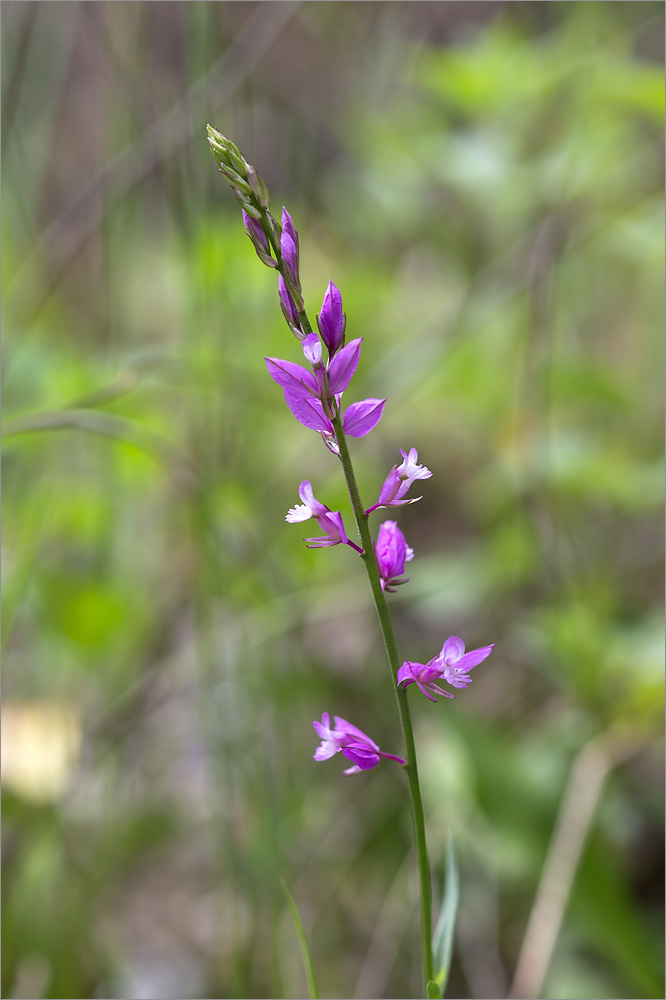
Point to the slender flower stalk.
(314, 396)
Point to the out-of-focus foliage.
(484, 183)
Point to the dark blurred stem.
(401, 696)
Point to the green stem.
(411, 767)
(370, 561)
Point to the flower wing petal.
(360, 418)
(343, 366)
(473, 658)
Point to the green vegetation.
(484, 184)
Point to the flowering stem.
(368, 555)
(401, 696)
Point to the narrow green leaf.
(442, 942)
(302, 940)
(433, 991)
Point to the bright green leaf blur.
(483, 182)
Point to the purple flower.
(360, 418)
(398, 481)
(334, 531)
(331, 320)
(452, 665)
(392, 552)
(311, 507)
(355, 745)
(259, 239)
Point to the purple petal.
(331, 320)
(309, 499)
(288, 226)
(296, 379)
(391, 486)
(452, 650)
(347, 727)
(323, 728)
(343, 366)
(473, 658)
(287, 303)
(362, 756)
(312, 349)
(289, 255)
(309, 412)
(360, 418)
(406, 673)
(333, 525)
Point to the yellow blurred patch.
(40, 745)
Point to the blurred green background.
(483, 181)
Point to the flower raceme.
(392, 552)
(452, 665)
(398, 481)
(355, 745)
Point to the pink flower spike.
(331, 523)
(343, 366)
(360, 418)
(355, 745)
(296, 380)
(311, 507)
(310, 413)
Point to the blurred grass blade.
(433, 991)
(442, 942)
(302, 940)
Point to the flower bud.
(331, 320)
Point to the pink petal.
(342, 724)
(406, 673)
(310, 501)
(360, 418)
(473, 658)
(452, 650)
(343, 366)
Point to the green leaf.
(302, 940)
(442, 942)
(433, 991)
